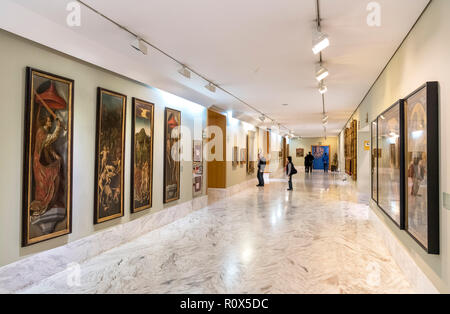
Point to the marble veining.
(317, 239)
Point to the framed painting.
(141, 155)
(422, 166)
(110, 156)
(172, 137)
(48, 148)
(235, 161)
(300, 152)
(197, 153)
(389, 163)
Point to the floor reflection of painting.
(110, 152)
(47, 196)
(171, 158)
(142, 155)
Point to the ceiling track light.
(320, 42)
(262, 118)
(321, 73)
(323, 88)
(185, 72)
(140, 45)
(211, 87)
(325, 118)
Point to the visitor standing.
(290, 171)
(261, 167)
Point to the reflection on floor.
(316, 239)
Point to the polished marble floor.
(316, 239)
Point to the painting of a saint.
(47, 193)
(110, 148)
(142, 155)
(172, 136)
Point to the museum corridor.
(316, 239)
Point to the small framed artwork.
(422, 166)
(172, 137)
(197, 185)
(141, 155)
(48, 147)
(300, 152)
(197, 151)
(110, 156)
(235, 161)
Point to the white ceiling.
(258, 50)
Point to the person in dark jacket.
(309, 159)
(290, 172)
(261, 167)
(326, 162)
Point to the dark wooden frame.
(27, 151)
(401, 224)
(166, 200)
(433, 190)
(134, 210)
(100, 91)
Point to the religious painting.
(235, 161)
(388, 164)
(141, 155)
(319, 153)
(109, 161)
(422, 166)
(300, 152)
(47, 183)
(172, 137)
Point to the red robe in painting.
(46, 170)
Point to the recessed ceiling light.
(285, 104)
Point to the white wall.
(15, 55)
(424, 56)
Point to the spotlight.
(323, 88)
(185, 72)
(262, 118)
(325, 118)
(320, 42)
(321, 73)
(140, 45)
(210, 87)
